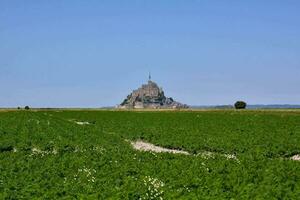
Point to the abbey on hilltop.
(149, 96)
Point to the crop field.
(91, 155)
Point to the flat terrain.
(91, 155)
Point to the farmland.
(88, 155)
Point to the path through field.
(145, 146)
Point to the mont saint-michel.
(150, 95)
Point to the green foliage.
(6, 147)
(46, 155)
(147, 99)
(161, 97)
(240, 105)
(27, 108)
(124, 102)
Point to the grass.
(46, 155)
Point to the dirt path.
(82, 123)
(144, 146)
(296, 157)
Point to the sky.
(74, 53)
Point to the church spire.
(149, 76)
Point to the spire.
(149, 76)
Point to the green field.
(47, 155)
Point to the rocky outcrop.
(149, 96)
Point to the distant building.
(149, 96)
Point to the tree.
(27, 108)
(124, 102)
(240, 105)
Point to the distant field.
(87, 154)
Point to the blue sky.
(92, 53)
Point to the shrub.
(6, 148)
(240, 105)
(27, 108)
(124, 102)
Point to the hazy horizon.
(93, 54)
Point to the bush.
(124, 102)
(27, 108)
(5, 147)
(240, 105)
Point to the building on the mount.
(149, 95)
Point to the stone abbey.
(149, 95)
